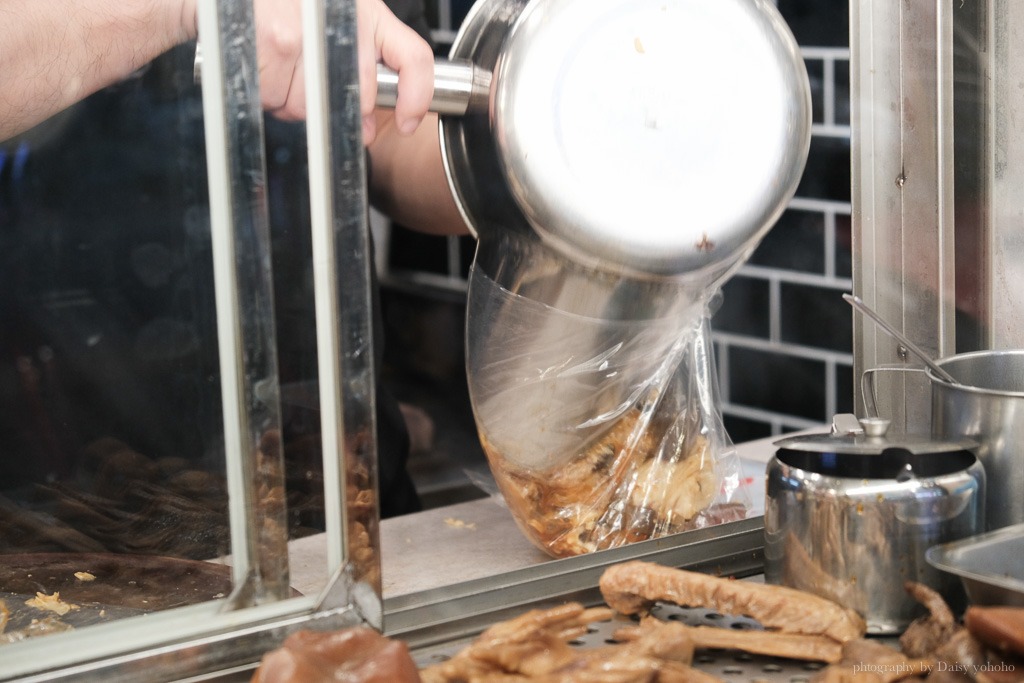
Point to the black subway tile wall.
(816, 78)
(841, 101)
(745, 307)
(413, 251)
(782, 333)
(844, 390)
(765, 381)
(822, 23)
(827, 174)
(741, 429)
(800, 373)
(831, 326)
(843, 263)
(795, 227)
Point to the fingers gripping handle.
(460, 87)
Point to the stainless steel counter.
(451, 570)
(471, 540)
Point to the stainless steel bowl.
(991, 565)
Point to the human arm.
(407, 178)
(55, 53)
(381, 37)
(408, 181)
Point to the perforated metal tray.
(728, 665)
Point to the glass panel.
(342, 279)
(140, 375)
(112, 470)
(242, 288)
(142, 441)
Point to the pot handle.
(867, 385)
(460, 87)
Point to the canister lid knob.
(848, 424)
(874, 426)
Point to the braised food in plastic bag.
(600, 428)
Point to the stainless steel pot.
(655, 138)
(850, 516)
(986, 404)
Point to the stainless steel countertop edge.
(731, 549)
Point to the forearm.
(56, 52)
(407, 179)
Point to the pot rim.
(970, 388)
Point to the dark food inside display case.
(108, 349)
(110, 405)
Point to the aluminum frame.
(902, 193)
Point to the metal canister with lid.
(850, 514)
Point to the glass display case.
(165, 332)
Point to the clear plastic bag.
(596, 403)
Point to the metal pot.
(850, 515)
(988, 406)
(656, 138)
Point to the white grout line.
(730, 339)
(828, 92)
(777, 420)
(830, 388)
(797, 277)
(453, 256)
(830, 130)
(442, 36)
(833, 53)
(811, 204)
(774, 310)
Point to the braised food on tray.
(633, 587)
(540, 645)
(353, 655)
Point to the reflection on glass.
(112, 483)
(113, 496)
(970, 184)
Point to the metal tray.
(990, 565)
(731, 666)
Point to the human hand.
(278, 54)
(279, 58)
(381, 37)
